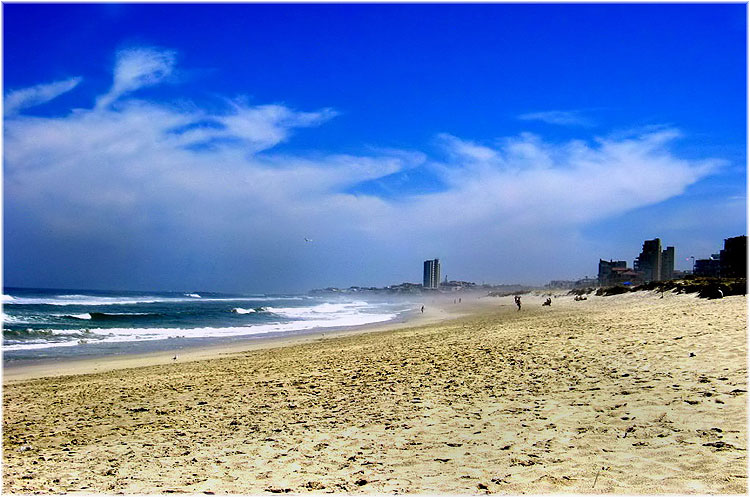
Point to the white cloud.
(136, 68)
(139, 177)
(526, 181)
(36, 95)
(266, 125)
(463, 150)
(558, 117)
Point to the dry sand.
(625, 394)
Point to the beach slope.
(627, 394)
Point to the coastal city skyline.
(279, 148)
(651, 265)
(374, 249)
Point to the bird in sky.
(308, 239)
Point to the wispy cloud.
(266, 125)
(466, 149)
(530, 182)
(36, 95)
(166, 185)
(136, 68)
(558, 117)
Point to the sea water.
(58, 324)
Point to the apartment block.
(431, 277)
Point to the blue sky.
(195, 146)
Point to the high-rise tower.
(733, 259)
(667, 264)
(649, 261)
(431, 274)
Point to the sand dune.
(624, 394)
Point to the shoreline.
(436, 312)
(630, 394)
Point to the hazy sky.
(195, 147)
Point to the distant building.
(625, 276)
(710, 268)
(667, 264)
(649, 261)
(585, 282)
(733, 259)
(606, 272)
(630, 277)
(414, 288)
(431, 274)
(457, 285)
(652, 264)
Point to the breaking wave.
(100, 335)
(240, 310)
(111, 316)
(85, 315)
(145, 317)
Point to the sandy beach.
(626, 394)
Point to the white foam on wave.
(93, 300)
(325, 310)
(11, 319)
(40, 345)
(87, 300)
(8, 298)
(193, 295)
(85, 315)
(240, 310)
(24, 319)
(110, 335)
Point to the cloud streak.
(184, 196)
(17, 100)
(558, 117)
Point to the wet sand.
(624, 394)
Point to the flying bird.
(308, 239)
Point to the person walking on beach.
(422, 309)
(517, 298)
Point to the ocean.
(59, 324)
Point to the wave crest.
(85, 315)
(240, 310)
